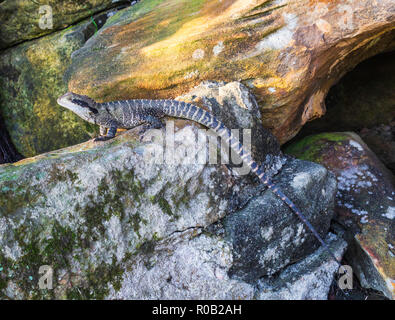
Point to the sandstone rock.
(364, 206)
(31, 81)
(108, 216)
(288, 52)
(363, 98)
(22, 20)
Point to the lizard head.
(83, 106)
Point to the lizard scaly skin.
(128, 114)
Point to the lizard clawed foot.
(102, 138)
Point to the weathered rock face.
(363, 98)
(264, 251)
(296, 281)
(31, 81)
(289, 52)
(365, 204)
(108, 216)
(197, 269)
(24, 19)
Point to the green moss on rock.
(30, 83)
(20, 19)
(310, 148)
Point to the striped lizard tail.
(191, 112)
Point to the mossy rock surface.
(23, 20)
(312, 148)
(113, 226)
(30, 83)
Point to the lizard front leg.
(110, 133)
(103, 130)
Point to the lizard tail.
(189, 111)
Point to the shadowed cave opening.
(363, 101)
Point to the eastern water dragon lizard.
(128, 114)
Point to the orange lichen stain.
(164, 23)
(211, 15)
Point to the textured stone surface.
(309, 279)
(192, 266)
(289, 52)
(363, 98)
(365, 204)
(266, 237)
(20, 19)
(31, 80)
(115, 222)
(106, 221)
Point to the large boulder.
(119, 220)
(289, 52)
(365, 204)
(264, 237)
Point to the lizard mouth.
(63, 97)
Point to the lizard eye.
(93, 110)
(85, 105)
(80, 103)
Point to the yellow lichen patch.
(211, 16)
(189, 35)
(272, 82)
(27, 161)
(315, 2)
